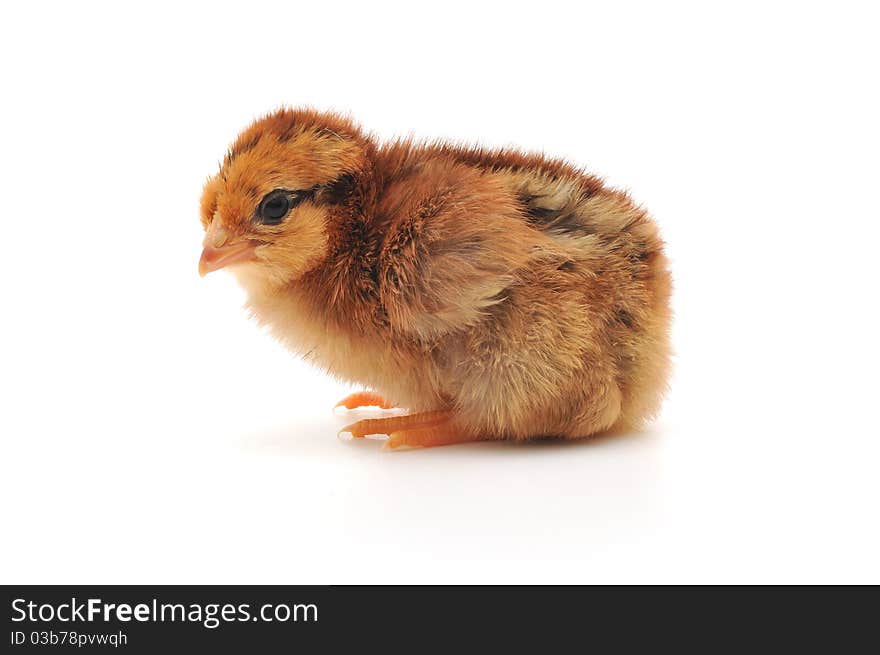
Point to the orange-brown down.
(494, 294)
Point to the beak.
(213, 259)
(217, 253)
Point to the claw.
(393, 443)
(363, 399)
(441, 433)
(411, 431)
(394, 424)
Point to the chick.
(494, 294)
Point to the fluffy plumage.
(512, 295)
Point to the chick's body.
(509, 295)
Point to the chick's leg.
(393, 424)
(364, 399)
(444, 433)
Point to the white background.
(152, 433)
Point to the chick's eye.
(274, 207)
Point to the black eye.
(274, 207)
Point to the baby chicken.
(494, 294)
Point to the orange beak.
(213, 259)
(217, 253)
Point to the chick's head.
(268, 212)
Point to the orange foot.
(411, 431)
(364, 399)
